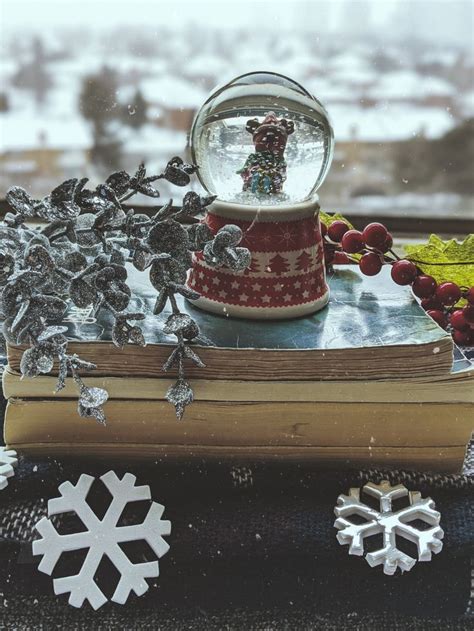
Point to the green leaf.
(445, 260)
(327, 220)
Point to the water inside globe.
(226, 151)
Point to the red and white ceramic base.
(286, 278)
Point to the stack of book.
(369, 381)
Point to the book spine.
(244, 424)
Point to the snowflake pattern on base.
(102, 537)
(391, 524)
(8, 460)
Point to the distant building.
(177, 99)
(42, 151)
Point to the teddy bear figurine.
(264, 170)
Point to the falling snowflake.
(8, 460)
(102, 537)
(350, 510)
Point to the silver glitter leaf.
(39, 259)
(75, 261)
(82, 294)
(51, 331)
(7, 266)
(180, 395)
(227, 236)
(18, 199)
(177, 172)
(90, 412)
(92, 397)
(237, 259)
(181, 323)
(35, 361)
(62, 374)
(199, 234)
(169, 237)
(160, 302)
(194, 357)
(119, 182)
(169, 271)
(173, 359)
(186, 292)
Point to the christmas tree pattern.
(278, 265)
(254, 266)
(304, 261)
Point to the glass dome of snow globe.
(262, 139)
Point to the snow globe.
(263, 145)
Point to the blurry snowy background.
(91, 86)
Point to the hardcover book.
(371, 329)
(371, 380)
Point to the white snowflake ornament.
(8, 460)
(102, 537)
(391, 524)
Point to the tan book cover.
(418, 436)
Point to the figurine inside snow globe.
(263, 145)
(264, 170)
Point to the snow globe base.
(286, 278)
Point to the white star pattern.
(287, 297)
(234, 284)
(297, 285)
(205, 289)
(216, 281)
(256, 287)
(243, 297)
(305, 293)
(201, 275)
(277, 286)
(222, 293)
(266, 299)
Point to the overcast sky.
(440, 20)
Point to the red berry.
(375, 235)
(461, 337)
(468, 313)
(458, 321)
(340, 258)
(370, 264)
(324, 229)
(431, 303)
(470, 295)
(388, 244)
(424, 286)
(337, 230)
(448, 293)
(352, 241)
(438, 317)
(403, 272)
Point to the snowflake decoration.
(391, 524)
(8, 460)
(102, 537)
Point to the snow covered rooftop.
(23, 131)
(391, 123)
(205, 65)
(406, 84)
(172, 92)
(152, 140)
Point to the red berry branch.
(372, 248)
